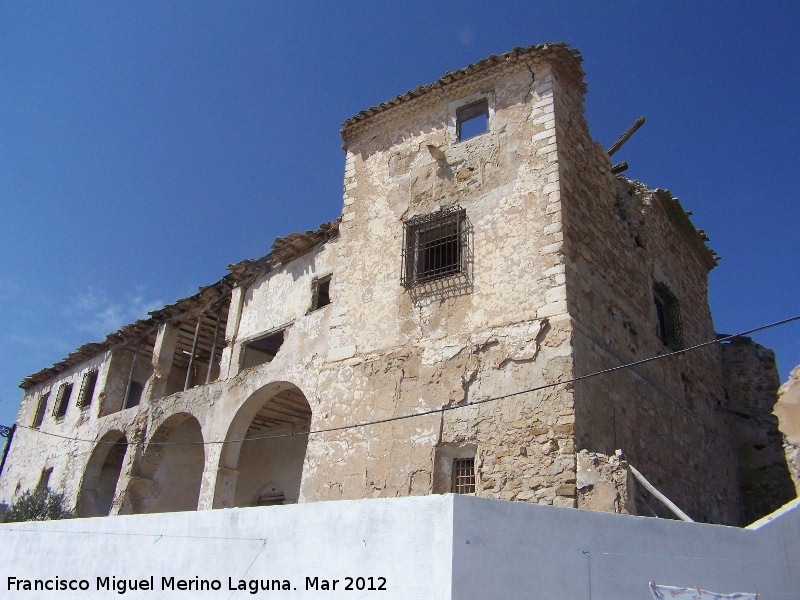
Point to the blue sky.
(145, 146)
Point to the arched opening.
(100, 478)
(173, 462)
(270, 494)
(269, 470)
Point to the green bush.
(41, 504)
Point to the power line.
(442, 409)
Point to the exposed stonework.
(467, 278)
(787, 410)
(605, 484)
(751, 388)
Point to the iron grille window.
(62, 400)
(434, 245)
(463, 476)
(87, 388)
(668, 311)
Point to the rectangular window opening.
(321, 293)
(463, 476)
(41, 407)
(473, 119)
(44, 479)
(668, 314)
(62, 400)
(134, 395)
(87, 388)
(263, 349)
(434, 245)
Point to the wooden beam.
(625, 136)
(667, 502)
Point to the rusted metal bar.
(194, 349)
(625, 136)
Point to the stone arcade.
(485, 248)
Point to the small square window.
(472, 120)
(321, 290)
(62, 400)
(87, 388)
(668, 314)
(463, 476)
(434, 246)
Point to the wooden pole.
(194, 349)
(214, 345)
(625, 136)
(667, 502)
(130, 377)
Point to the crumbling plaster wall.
(256, 309)
(620, 238)
(281, 296)
(34, 451)
(509, 332)
(215, 406)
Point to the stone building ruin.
(485, 248)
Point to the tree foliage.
(41, 504)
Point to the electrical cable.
(439, 410)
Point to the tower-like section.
(489, 250)
(453, 282)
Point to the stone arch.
(171, 467)
(269, 494)
(101, 476)
(247, 468)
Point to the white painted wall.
(406, 540)
(419, 544)
(538, 552)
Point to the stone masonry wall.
(215, 406)
(751, 390)
(557, 281)
(621, 238)
(507, 333)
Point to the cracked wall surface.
(557, 264)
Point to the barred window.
(463, 476)
(434, 245)
(668, 312)
(87, 388)
(62, 400)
